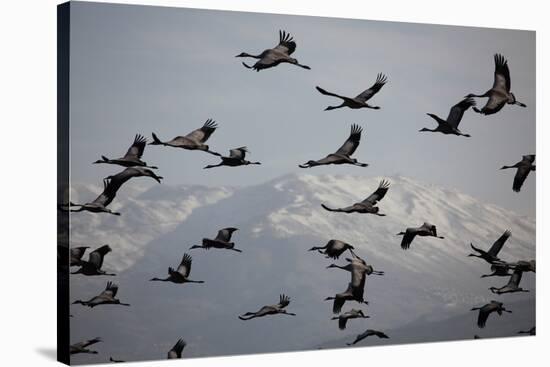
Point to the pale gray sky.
(142, 69)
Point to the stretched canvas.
(335, 183)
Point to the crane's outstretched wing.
(184, 267)
(502, 83)
(342, 321)
(408, 237)
(340, 301)
(96, 257)
(338, 304)
(224, 235)
(515, 279)
(137, 148)
(177, 349)
(497, 246)
(519, 178)
(502, 74)
(493, 105)
(110, 189)
(482, 317)
(357, 274)
(77, 253)
(358, 338)
(380, 334)
(110, 291)
(379, 194)
(457, 111)
(367, 94)
(283, 301)
(286, 43)
(238, 153)
(327, 93)
(430, 228)
(202, 134)
(358, 291)
(351, 144)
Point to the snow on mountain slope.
(460, 218)
(290, 206)
(147, 212)
(278, 222)
(440, 265)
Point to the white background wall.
(28, 156)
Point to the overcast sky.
(166, 70)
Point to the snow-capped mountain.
(148, 212)
(278, 222)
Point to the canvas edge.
(63, 59)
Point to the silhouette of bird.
(342, 155)
(99, 205)
(352, 314)
(111, 185)
(111, 359)
(525, 266)
(532, 331)
(82, 347)
(410, 233)
(275, 56)
(94, 263)
(222, 241)
(181, 274)
(450, 126)
(523, 168)
(499, 270)
(341, 298)
(279, 308)
(107, 297)
(359, 269)
(499, 94)
(132, 157)
(367, 333)
(368, 205)
(124, 176)
(486, 310)
(491, 256)
(512, 286)
(334, 248)
(359, 101)
(76, 255)
(235, 159)
(177, 349)
(195, 140)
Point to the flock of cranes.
(500, 268)
(134, 167)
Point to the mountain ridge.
(278, 222)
